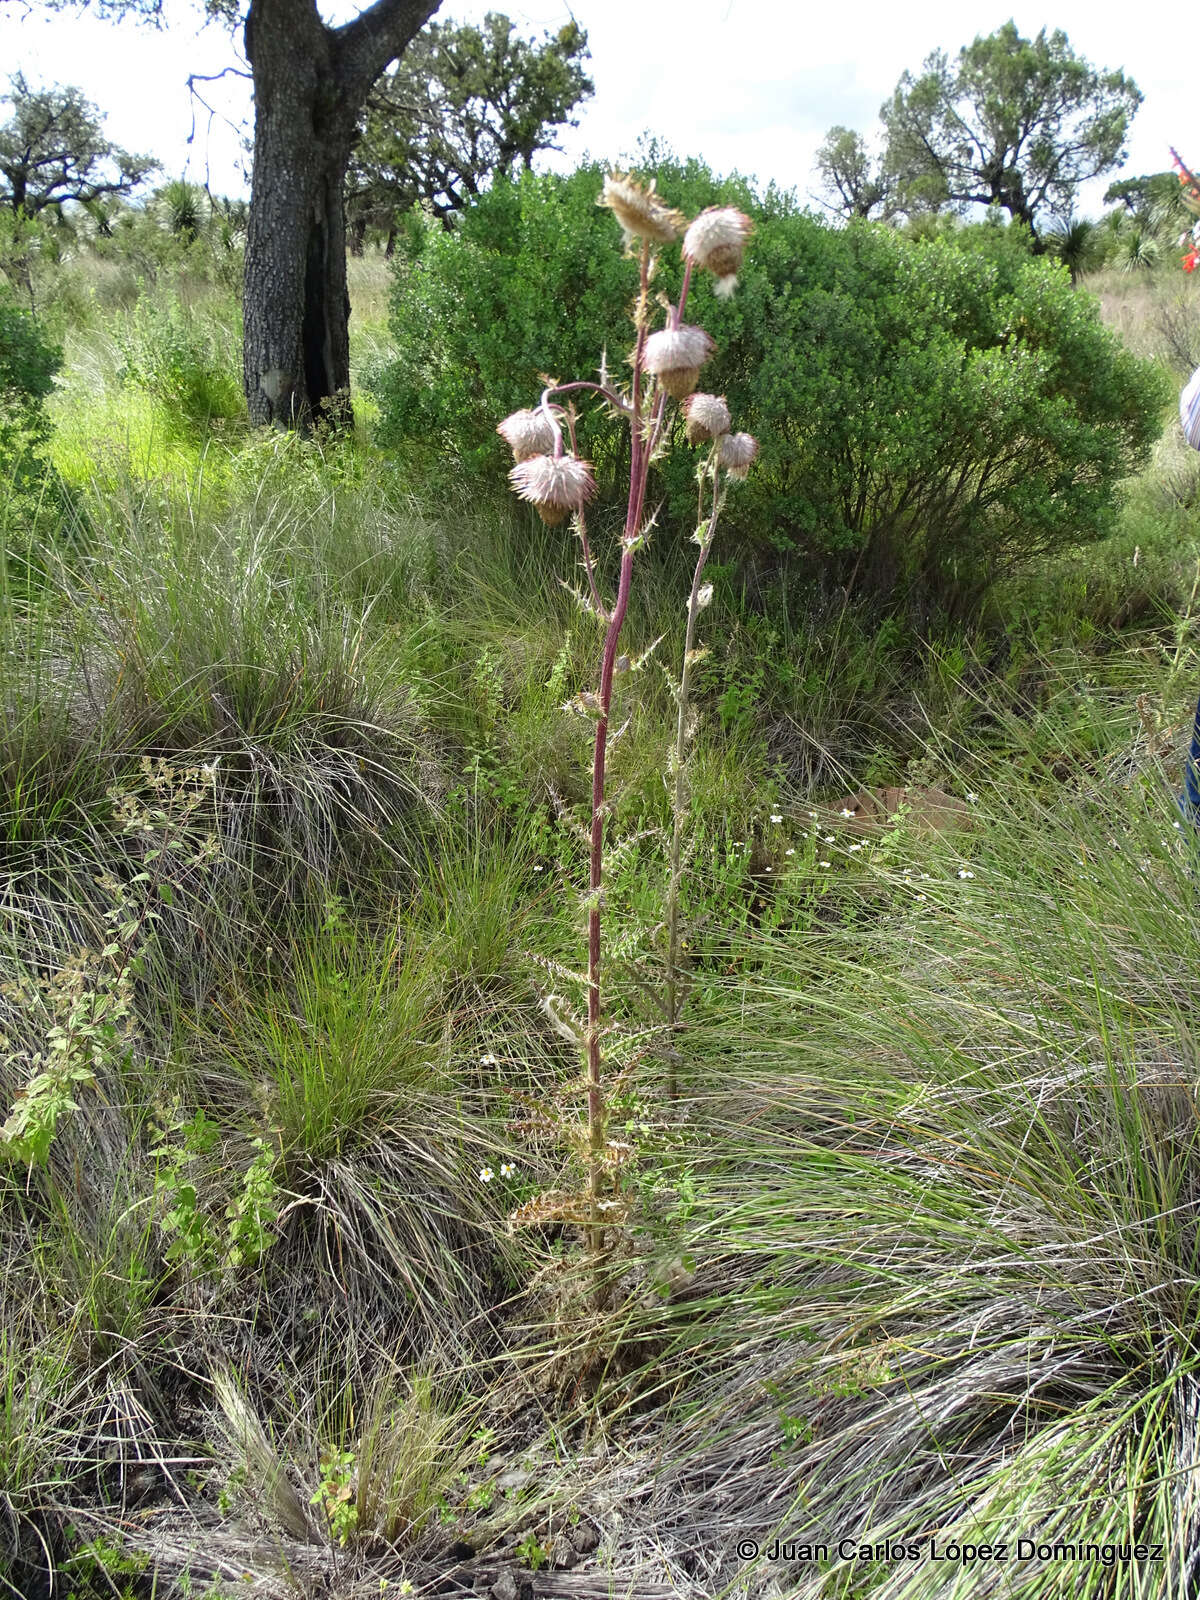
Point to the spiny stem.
(685, 680)
(610, 394)
(581, 531)
(642, 445)
(596, 1116)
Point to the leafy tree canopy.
(462, 105)
(1014, 122)
(53, 150)
(853, 183)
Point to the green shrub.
(186, 363)
(30, 489)
(529, 282)
(28, 362)
(932, 416)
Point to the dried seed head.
(675, 356)
(717, 241)
(555, 485)
(737, 451)
(641, 213)
(527, 433)
(707, 417)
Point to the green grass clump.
(945, 1271)
(348, 1029)
(208, 633)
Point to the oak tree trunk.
(310, 84)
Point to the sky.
(751, 85)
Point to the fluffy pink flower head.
(737, 451)
(675, 356)
(707, 417)
(555, 485)
(717, 241)
(641, 213)
(527, 433)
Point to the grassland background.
(915, 1253)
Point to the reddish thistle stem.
(641, 454)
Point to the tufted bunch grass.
(939, 1210)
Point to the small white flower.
(209, 770)
(488, 1060)
(854, 847)
(828, 838)
(486, 1174)
(789, 852)
(921, 897)
(776, 816)
(847, 813)
(812, 813)
(768, 869)
(824, 863)
(539, 869)
(963, 873)
(507, 1169)
(971, 799)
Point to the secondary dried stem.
(707, 534)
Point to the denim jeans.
(1189, 800)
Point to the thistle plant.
(548, 472)
(730, 456)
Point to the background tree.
(853, 183)
(1014, 122)
(53, 151)
(1154, 195)
(311, 82)
(463, 105)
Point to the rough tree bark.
(310, 83)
